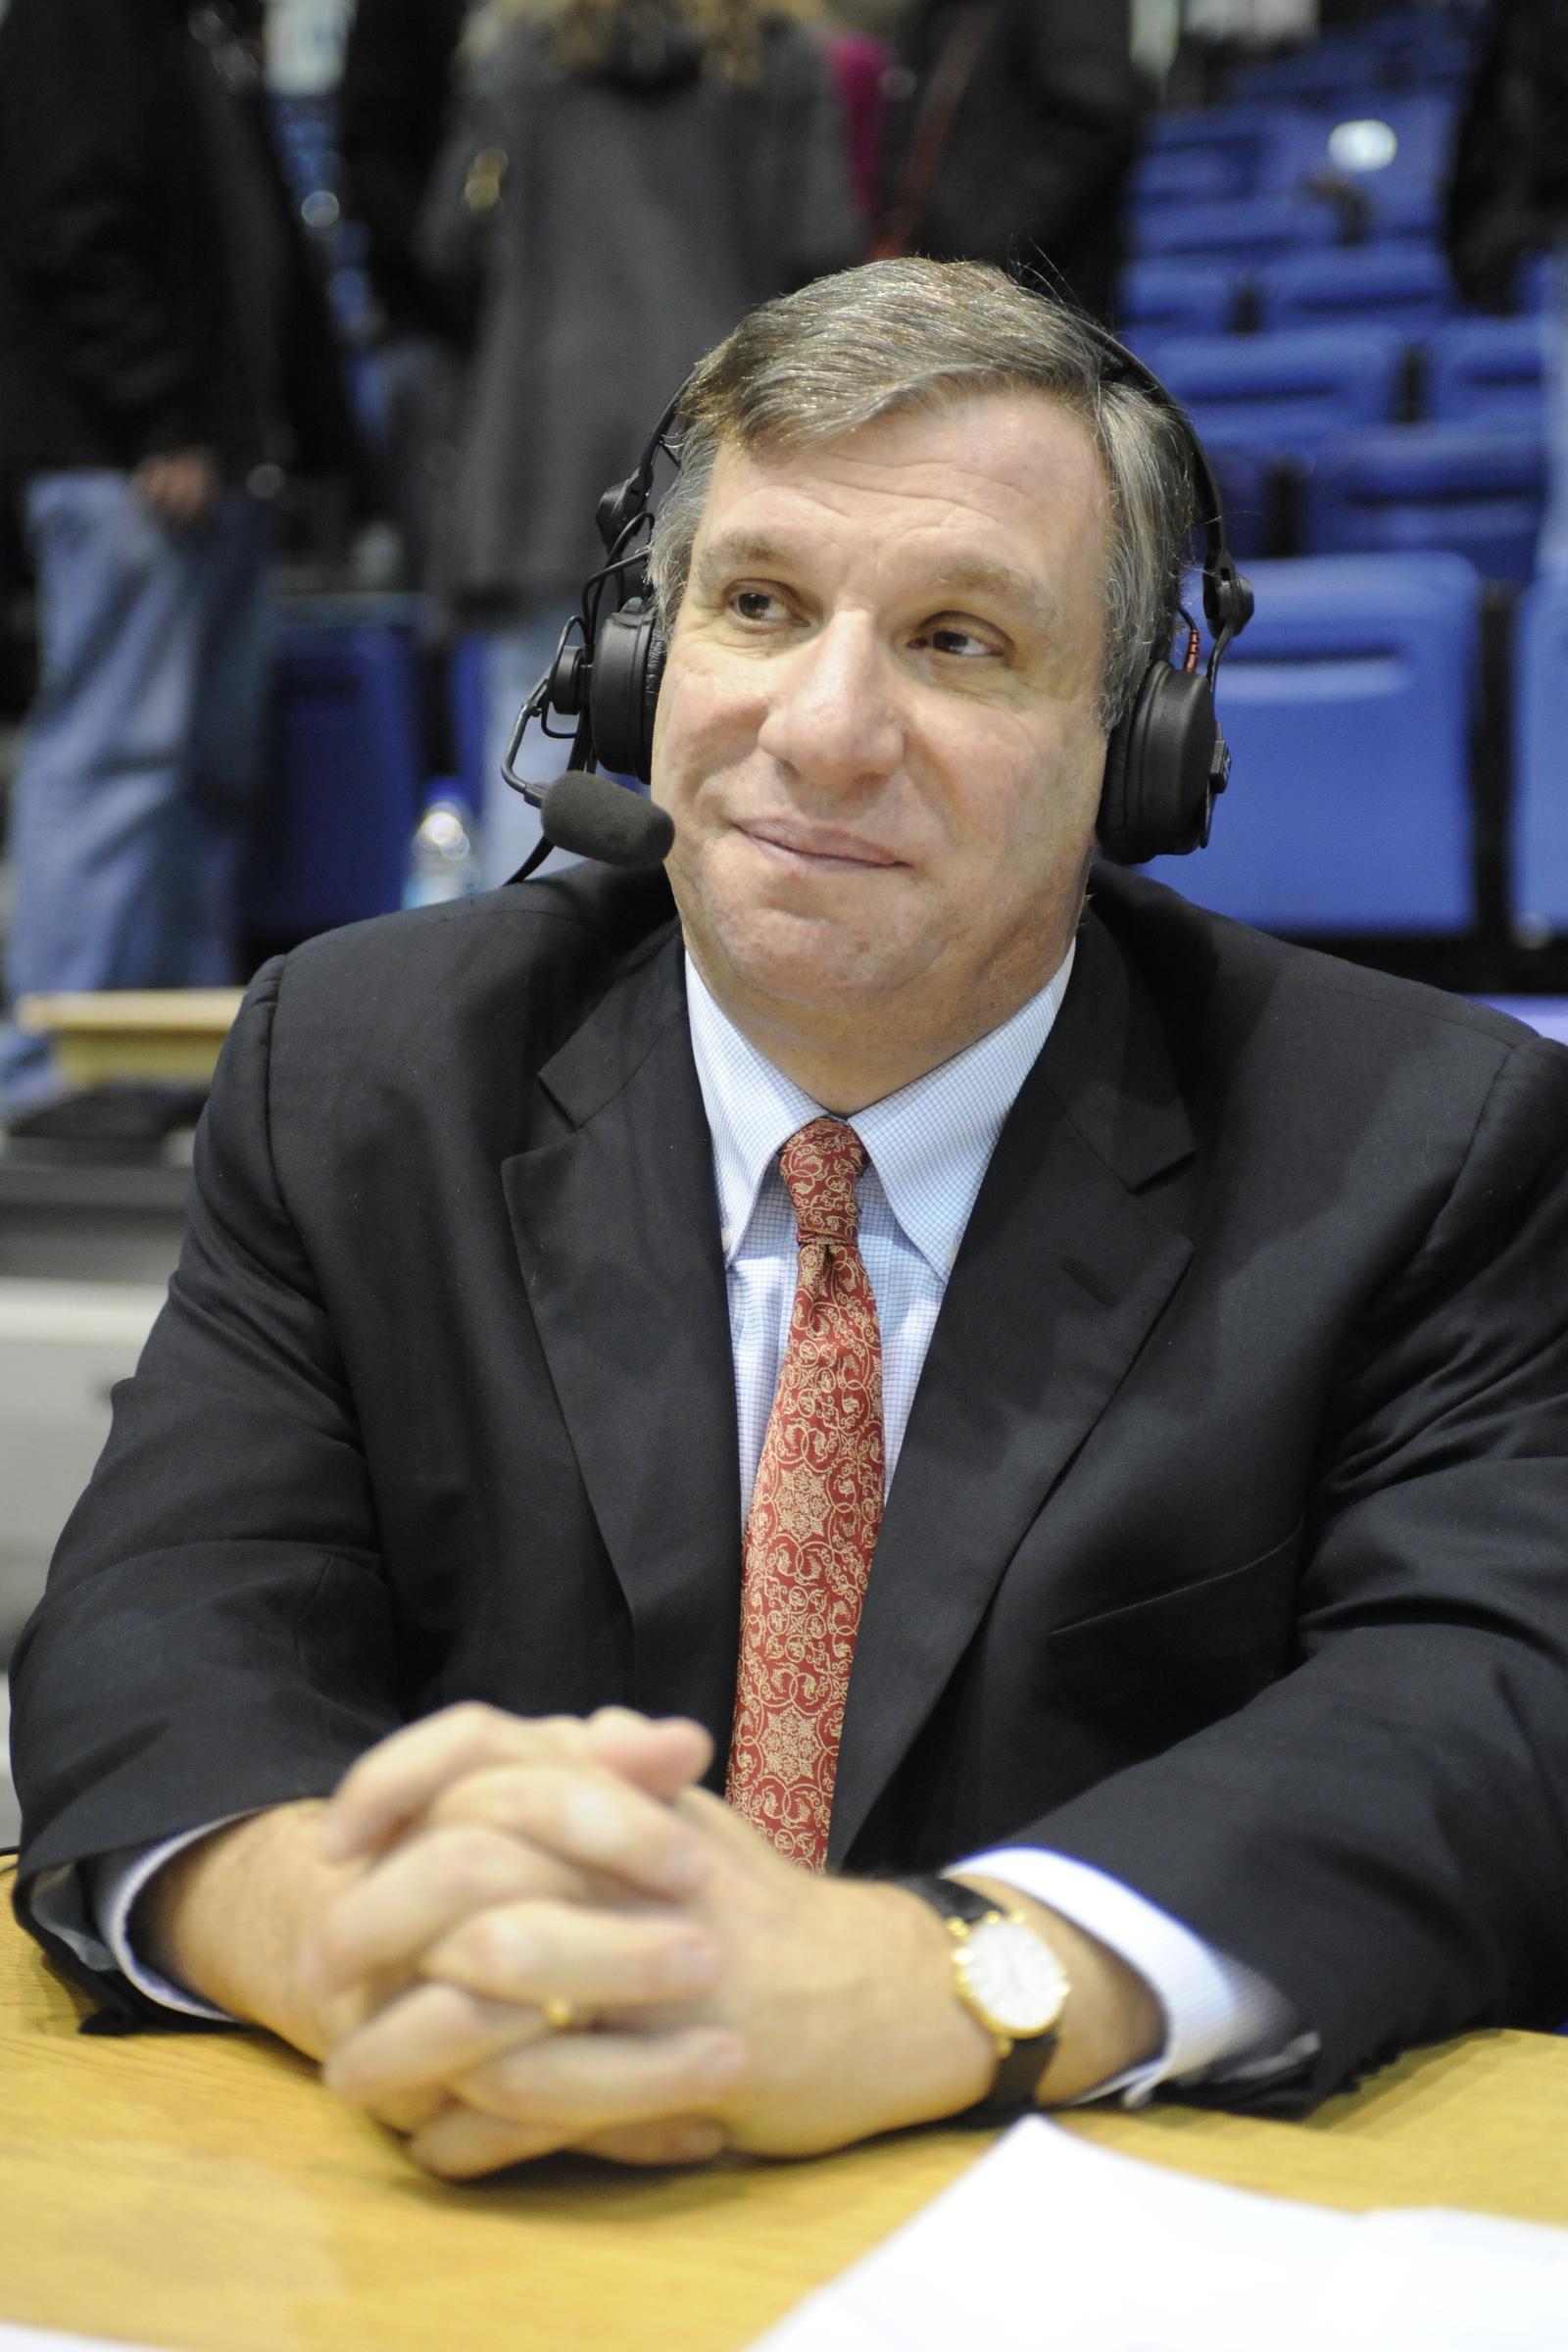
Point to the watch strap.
(1017, 2076)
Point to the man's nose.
(833, 709)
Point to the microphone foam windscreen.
(599, 818)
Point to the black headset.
(1165, 762)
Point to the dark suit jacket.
(1227, 1549)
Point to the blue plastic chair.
(468, 711)
(1282, 394)
(1311, 77)
(1348, 705)
(1190, 298)
(1540, 761)
(1487, 371)
(1396, 53)
(344, 784)
(1412, 154)
(1233, 131)
(1409, 216)
(1188, 175)
(1470, 489)
(1408, 285)
(1245, 478)
(1532, 286)
(1246, 228)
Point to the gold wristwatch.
(1011, 1982)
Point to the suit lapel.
(1061, 1272)
(617, 1228)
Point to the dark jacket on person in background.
(156, 290)
(1508, 185)
(615, 224)
(393, 103)
(1033, 165)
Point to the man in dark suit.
(1215, 1648)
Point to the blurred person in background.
(624, 178)
(1508, 198)
(861, 59)
(1010, 128)
(394, 100)
(166, 360)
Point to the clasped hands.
(545, 1935)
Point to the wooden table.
(168, 1036)
(207, 2192)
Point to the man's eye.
(955, 643)
(755, 604)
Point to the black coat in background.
(1507, 190)
(1227, 1549)
(642, 207)
(396, 90)
(1042, 142)
(121, 330)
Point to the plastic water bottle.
(443, 859)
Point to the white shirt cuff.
(1222, 2019)
(114, 1882)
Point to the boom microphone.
(596, 818)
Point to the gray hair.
(915, 334)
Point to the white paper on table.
(1052, 2241)
(45, 2339)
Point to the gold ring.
(560, 2016)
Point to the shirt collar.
(930, 1144)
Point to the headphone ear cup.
(623, 688)
(1159, 769)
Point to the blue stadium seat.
(1468, 488)
(468, 715)
(1246, 488)
(1396, 52)
(1386, 146)
(344, 785)
(1310, 76)
(1410, 215)
(1443, 34)
(1188, 175)
(1190, 298)
(1245, 228)
(1235, 133)
(1540, 760)
(1283, 394)
(1348, 705)
(1549, 1017)
(1487, 371)
(1408, 285)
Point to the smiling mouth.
(826, 847)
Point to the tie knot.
(821, 1166)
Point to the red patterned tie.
(815, 1511)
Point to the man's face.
(876, 732)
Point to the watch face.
(1013, 1979)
